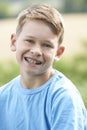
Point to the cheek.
(49, 56)
(20, 48)
(19, 53)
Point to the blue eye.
(47, 45)
(29, 41)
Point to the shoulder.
(62, 84)
(64, 91)
(66, 103)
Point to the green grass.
(8, 70)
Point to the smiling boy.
(36, 49)
(41, 98)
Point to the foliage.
(74, 6)
(4, 10)
(10, 8)
(8, 71)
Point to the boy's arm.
(68, 112)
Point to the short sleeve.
(68, 111)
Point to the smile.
(33, 61)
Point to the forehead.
(38, 28)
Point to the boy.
(41, 98)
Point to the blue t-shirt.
(56, 105)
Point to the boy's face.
(36, 47)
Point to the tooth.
(33, 61)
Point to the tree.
(70, 6)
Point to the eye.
(29, 41)
(47, 45)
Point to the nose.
(35, 51)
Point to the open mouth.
(33, 61)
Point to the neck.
(32, 82)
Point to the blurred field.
(75, 31)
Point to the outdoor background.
(74, 61)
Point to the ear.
(13, 42)
(59, 53)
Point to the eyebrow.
(28, 36)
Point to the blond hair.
(45, 13)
